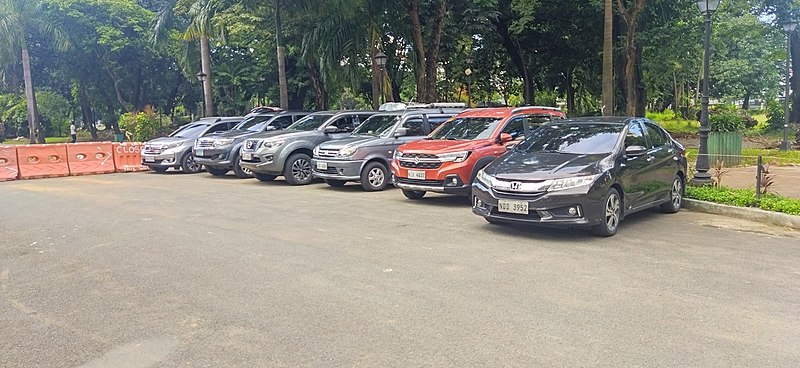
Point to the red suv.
(448, 159)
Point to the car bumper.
(337, 170)
(161, 160)
(446, 179)
(213, 157)
(262, 163)
(549, 208)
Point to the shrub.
(727, 118)
(744, 198)
(775, 115)
(143, 125)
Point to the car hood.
(542, 166)
(285, 134)
(233, 134)
(358, 140)
(439, 146)
(168, 140)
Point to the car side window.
(282, 122)
(516, 128)
(635, 136)
(414, 126)
(218, 127)
(346, 123)
(655, 135)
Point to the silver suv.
(288, 153)
(175, 150)
(365, 156)
(219, 153)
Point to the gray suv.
(365, 156)
(288, 153)
(175, 150)
(219, 153)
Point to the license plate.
(149, 159)
(517, 207)
(322, 165)
(247, 156)
(199, 153)
(419, 175)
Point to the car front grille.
(330, 170)
(204, 143)
(152, 150)
(517, 195)
(532, 216)
(420, 165)
(328, 153)
(429, 183)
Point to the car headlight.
(454, 156)
(316, 151)
(397, 154)
(347, 152)
(570, 183)
(272, 143)
(222, 142)
(171, 145)
(484, 178)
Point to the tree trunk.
(87, 117)
(795, 81)
(30, 97)
(641, 93)
(746, 103)
(205, 64)
(608, 59)
(631, 17)
(376, 75)
(432, 59)
(412, 7)
(320, 93)
(570, 93)
(502, 25)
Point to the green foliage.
(727, 118)
(54, 112)
(775, 115)
(143, 125)
(744, 198)
(674, 123)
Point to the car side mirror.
(331, 129)
(510, 147)
(504, 138)
(401, 132)
(635, 151)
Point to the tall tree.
(630, 11)
(427, 53)
(18, 18)
(608, 59)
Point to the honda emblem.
(515, 185)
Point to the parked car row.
(527, 165)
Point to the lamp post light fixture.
(201, 77)
(701, 176)
(468, 72)
(380, 60)
(789, 27)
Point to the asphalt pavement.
(149, 270)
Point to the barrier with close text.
(42, 161)
(91, 158)
(9, 170)
(128, 157)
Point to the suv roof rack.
(518, 109)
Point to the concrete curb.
(752, 214)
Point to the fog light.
(573, 211)
(478, 203)
(454, 181)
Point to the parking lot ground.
(148, 270)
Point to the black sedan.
(589, 172)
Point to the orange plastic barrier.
(9, 170)
(42, 161)
(128, 157)
(90, 158)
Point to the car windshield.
(466, 128)
(578, 139)
(254, 123)
(310, 122)
(377, 125)
(190, 131)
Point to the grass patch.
(744, 198)
(750, 156)
(674, 124)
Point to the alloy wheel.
(301, 169)
(612, 212)
(677, 193)
(376, 177)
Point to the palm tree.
(199, 28)
(17, 19)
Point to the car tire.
(297, 170)
(239, 171)
(265, 177)
(675, 197)
(159, 170)
(189, 166)
(375, 177)
(611, 214)
(217, 171)
(335, 183)
(414, 194)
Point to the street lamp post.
(380, 59)
(701, 176)
(201, 77)
(468, 72)
(789, 27)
